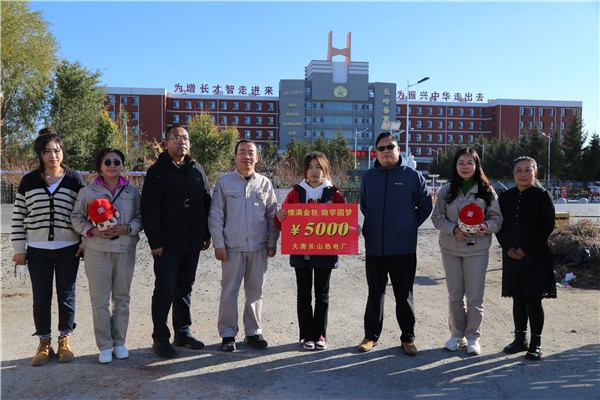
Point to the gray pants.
(465, 277)
(109, 273)
(250, 267)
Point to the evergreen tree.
(573, 141)
(591, 159)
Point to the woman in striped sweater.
(42, 236)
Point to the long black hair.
(484, 190)
(45, 136)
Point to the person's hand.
(281, 214)
(512, 253)
(271, 251)
(460, 235)
(520, 252)
(482, 229)
(157, 252)
(20, 258)
(117, 230)
(221, 254)
(206, 244)
(358, 230)
(80, 252)
(101, 234)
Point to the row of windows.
(440, 111)
(235, 105)
(135, 116)
(308, 91)
(258, 134)
(440, 137)
(451, 124)
(235, 119)
(337, 106)
(331, 133)
(551, 111)
(135, 100)
(540, 125)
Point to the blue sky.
(517, 50)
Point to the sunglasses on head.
(116, 162)
(388, 147)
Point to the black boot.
(519, 344)
(534, 352)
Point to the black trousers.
(401, 270)
(531, 310)
(313, 325)
(175, 275)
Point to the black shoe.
(228, 344)
(518, 345)
(189, 342)
(534, 353)
(256, 341)
(164, 349)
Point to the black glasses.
(116, 162)
(388, 147)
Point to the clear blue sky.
(516, 50)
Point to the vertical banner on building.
(563, 192)
(320, 229)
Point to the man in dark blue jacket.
(395, 201)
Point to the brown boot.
(44, 353)
(65, 354)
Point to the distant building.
(336, 96)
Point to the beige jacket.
(241, 213)
(445, 218)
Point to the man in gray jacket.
(244, 235)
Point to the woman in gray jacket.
(465, 256)
(110, 253)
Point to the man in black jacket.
(175, 205)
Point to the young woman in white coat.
(465, 256)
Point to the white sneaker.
(309, 345)
(105, 356)
(473, 347)
(120, 352)
(455, 343)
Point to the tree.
(268, 160)
(211, 147)
(591, 159)
(76, 105)
(28, 63)
(574, 138)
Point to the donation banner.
(320, 229)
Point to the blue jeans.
(175, 274)
(43, 265)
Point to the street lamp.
(356, 132)
(437, 159)
(482, 151)
(549, 141)
(370, 148)
(408, 86)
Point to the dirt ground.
(569, 369)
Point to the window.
(440, 124)
(318, 120)
(472, 112)
(359, 121)
(419, 110)
(271, 134)
(247, 106)
(429, 137)
(258, 120)
(521, 124)
(175, 119)
(530, 110)
(270, 120)
(429, 124)
(307, 105)
(460, 139)
(541, 112)
(307, 133)
(371, 93)
(409, 136)
(259, 134)
(235, 119)
(461, 125)
(188, 104)
(419, 137)
(307, 119)
(111, 114)
(450, 138)
(522, 111)
(530, 125)
(212, 119)
(308, 90)
(440, 137)
(124, 102)
(562, 125)
(259, 106)
(471, 125)
(259, 147)
(199, 104)
(429, 110)
(223, 119)
(418, 151)
(176, 104)
(212, 105)
(359, 106)
(450, 124)
(419, 124)
(135, 100)
(409, 110)
(247, 119)
(398, 110)
(440, 111)
(451, 111)
(461, 111)
(429, 151)
(187, 118)
(369, 121)
(369, 107)
(318, 105)
(136, 130)
(480, 125)
(270, 106)
(541, 124)
(247, 134)
(471, 138)
(563, 112)
(551, 124)
(552, 112)
(236, 105)
(481, 112)
(111, 100)
(223, 105)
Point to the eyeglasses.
(116, 162)
(388, 147)
(177, 138)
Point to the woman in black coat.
(527, 269)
